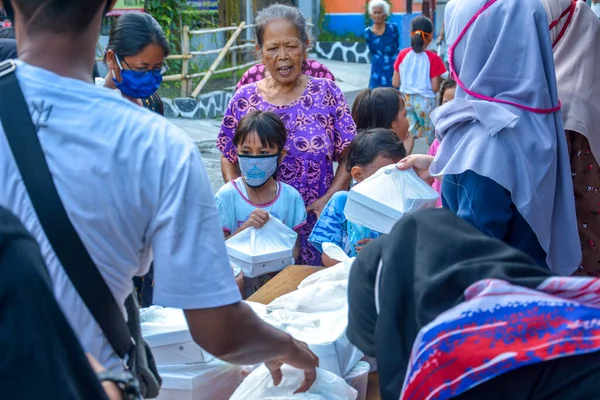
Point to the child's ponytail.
(421, 33)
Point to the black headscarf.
(428, 261)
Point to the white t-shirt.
(235, 207)
(134, 188)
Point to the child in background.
(446, 94)
(381, 108)
(417, 72)
(249, 200)
(369, 151)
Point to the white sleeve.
(191, 267)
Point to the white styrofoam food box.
(170, 339)
(261, 251)
(215, 381)
(384, 198)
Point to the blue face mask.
(135, 86)
(258, 169)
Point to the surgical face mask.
(258, 169)
(136, 85)
(596, 9)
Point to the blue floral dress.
(384, 50)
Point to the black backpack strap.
(77, 263)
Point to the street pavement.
(351, 78)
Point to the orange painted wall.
(358, 6)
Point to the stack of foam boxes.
(188, 371)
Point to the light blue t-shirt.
(134, 188)
(235, 207)
(333, 227)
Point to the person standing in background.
(578, 77)
(383, 39)
(418, 73)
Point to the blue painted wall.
(341, 24)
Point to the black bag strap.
(76, 261)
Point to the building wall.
(348, 17)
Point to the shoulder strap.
(77, 263)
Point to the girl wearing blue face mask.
(249, 200)
(256, 196)
(135, 57)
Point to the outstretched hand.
(420, 163)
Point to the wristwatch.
(125, 381)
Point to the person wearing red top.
(418, 73)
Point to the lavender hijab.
(506, 54)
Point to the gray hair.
(379, 3)
(280, 11)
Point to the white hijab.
(577, 59)
(506, 55)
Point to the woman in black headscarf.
(471, 317)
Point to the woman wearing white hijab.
(503, 151)
(575, 32)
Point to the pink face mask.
(479, 96)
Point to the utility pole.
(409, 5)
(249, 19)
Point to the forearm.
(229, 171)
(237, 335)
(341, 181)
(396, 80)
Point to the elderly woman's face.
(378, 15)
(283, 52)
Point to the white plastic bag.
(324, 297)
(339, 272)
(384, 198)
(261, 251)
(325, 335)
(358, 378)
(259, 385)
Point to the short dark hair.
(132, 32)
(418, 42)
(60, 15)
(369, 144)
(377, 108)
(267, 125)
(7, 33)
(449, 83)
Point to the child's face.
(400, 125)
(251, 146)
(362, 172)
(448, 95)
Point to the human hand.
(419, 162)
(317, 206)
(257, 219)
(298, 356)
(362, 243)
(113, 392)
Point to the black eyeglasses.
(140, 72)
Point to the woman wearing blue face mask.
(135, 57)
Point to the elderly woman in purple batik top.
(315, 113)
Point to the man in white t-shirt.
(134, 188)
